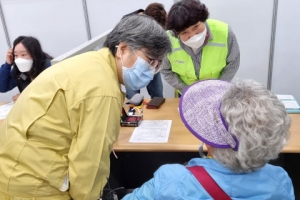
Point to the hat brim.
(200, 112)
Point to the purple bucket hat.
(200, 111)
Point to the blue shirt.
(174, 181)
(7, 81)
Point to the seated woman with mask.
(28, 61)
(243, 126)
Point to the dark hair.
(33, 47)
(186, 13)
(134, 13)
(158, 12)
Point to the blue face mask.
(139, 75)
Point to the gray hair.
(260, 123)
(140, 31)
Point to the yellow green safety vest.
(214, 55)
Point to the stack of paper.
(290, 103)
(4, 110)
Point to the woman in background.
(203, 48)
(28, 61)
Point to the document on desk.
(152, 131)
(4, 109)
(290, 103)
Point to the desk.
(180, 139)
(137, 162)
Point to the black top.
(134, 13)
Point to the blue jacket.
(174, 181)
(7, 80)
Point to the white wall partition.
(286, 68)
(4, 97)
(251, 22)
(104, 15)
(3, 45)
(58, 24)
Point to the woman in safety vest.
(202, 48)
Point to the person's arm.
(7, 81)
(47, 63)
(233, 58)
(171, 77)
(161, 185)
(96, 122)
(145, 192)
(148, 190)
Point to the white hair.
(260, 123)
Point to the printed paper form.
(291, 105)
(4, 109)
(285, 97)
(152, 131)
(289, 102)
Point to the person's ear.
(121, 49)
(210, 150)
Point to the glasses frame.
(155, 63)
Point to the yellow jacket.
(63, 124)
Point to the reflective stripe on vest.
(213, 60)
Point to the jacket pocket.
(211, 73)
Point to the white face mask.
(23, 65)
(197, 40)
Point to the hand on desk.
(15, 97)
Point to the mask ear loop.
(201, 151)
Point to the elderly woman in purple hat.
(243, 126)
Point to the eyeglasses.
(153, 62)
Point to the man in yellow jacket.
(56, 141)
